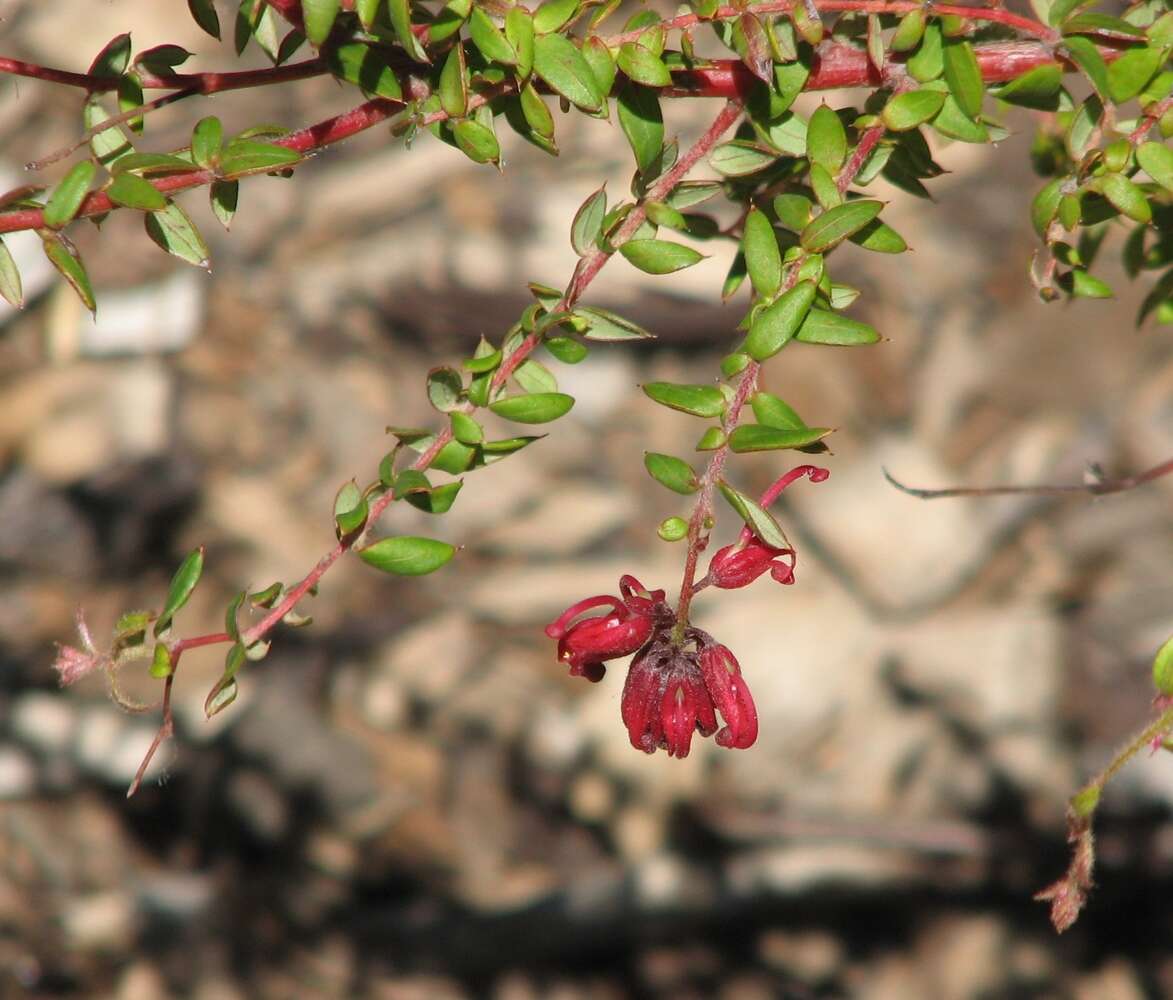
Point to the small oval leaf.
(699, 400)
(535, 408)
(407, 555)
(675, 473)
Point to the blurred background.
(410, 799)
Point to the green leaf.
(775, 325)
(244, 156)
(350, 510)
(438, 500)
(364, 66)
(675, 473)
(1163, 668)
(161, 666)
(367, 11)
(64, 256)
(535, 377)
(964, 76)
(478, 142)
(537, 115)
(643, 66)
(712, 439)
(465, 429)
(1087, 56)
(838, 223)
(1102, 25)
(599, 58)
(10, 286)
(642, 123)
(223, 196)
(566, 350)
(608, 327)
(1126, 197)
(879, 237)
(66, 198)
(445, 387)
(763, 259)
(1037, 88)
(406, 555)
(741, 157)
(204, 14)
(774, 412)
(793, 211)
(114, 57)
(1156, 159)
(400, 12)
(659, 256)
(534, 408)
(699, 400)
(318, 16)
(182, 584)
(673, 529)
(1082, 285)
(1128, 74)
(519, 33)
(757, 437)
(508, 446)
(109, 144)
(453, 86)
(690, 193)
(826, 139)
(909, 31)
(553, 14)
(588, 222)
(825, 327)
(485, 358)
(224, 691)
(152, 163)
(1045, 206)
(928, 61)
(172, 230)
(562, 66)
(132, 191)
(206, 139)
(758, 520)
(1084, 129)
(907, 111)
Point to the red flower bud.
(738, 565)
(727, 688)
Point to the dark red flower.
(727, 688)
(625, 626)
(743, 562)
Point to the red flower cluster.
(674, 687)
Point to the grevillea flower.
(739, 564)
(676, 685)
(585, 643)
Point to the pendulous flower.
(676, 684)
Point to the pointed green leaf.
(534, 408)
(763, 259)
(699, 400)
(838, 223)
(445, 387)
(172, 230)
(350, 510)
(675, 473)
(1156, 159)
(825, 327)
(406, 555)
(400, 12)
(562, 66)
(114, 57)
(319, 16)
(643, 66)
(64, 256)
(182, 584)
(879, 237)
(204, 14)
(909, 31)
(478, 142)
(712, 439)
(535, 377)
(1103, 26)
(759, 521)
(774, 412)
(244, 156)
(537, 115)
(659, 256)
(224, 692)
(364, 66)
(826, 139)
(519, 33)
(453, 86)
(588, 222)
(964, 76)
(109, 144)
(602, 64)
(1087, 56)
(1126, 197)
(908, 110)
(757, 437)
(741, 157)
(438, 500)
(774, 326)
(566, 350)
(928, 61)
(1037, 88)
(66, 198)
(1128, 74)
(206, 139)
(1163, 668)
(465, 429)
(10, 286)
(152, 164)
(223, 197)
(132, 191)
(793, 211)
(642, 123)
(608, 327)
